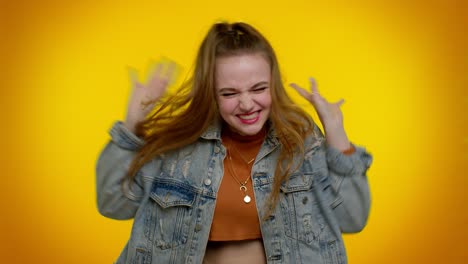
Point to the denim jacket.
(173, 199)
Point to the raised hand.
(330, 115)
(145, 96)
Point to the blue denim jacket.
(173, 199)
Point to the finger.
(158, 69)
(154, 72)
(138, 84)
(158, 77)
(170, 72)
(313, 85)
(340, 102)
(300, 90)
(170, 68)
(132, 75)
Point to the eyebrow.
(228, 89)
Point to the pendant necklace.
(242, 184)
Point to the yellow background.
(401, 66)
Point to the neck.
(234, 136)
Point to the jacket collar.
(213, 132)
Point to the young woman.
(229, 169)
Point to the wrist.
(131, 126)
(332, 125)
(349, 151)
(338, 139)
(343, 146)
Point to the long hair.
(166, 129)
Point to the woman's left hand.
(330, 115)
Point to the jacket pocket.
(168, 219)
(302, 216)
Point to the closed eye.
(259, 89)
(228, 94)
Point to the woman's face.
(242, 84)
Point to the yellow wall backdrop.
(401, 66)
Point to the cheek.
(265, 100)
(226, 106)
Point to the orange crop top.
(233, 218)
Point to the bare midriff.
(230, 252)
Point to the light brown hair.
(195, 104)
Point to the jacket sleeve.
(349, 187)
(345, 187)
(114, 199)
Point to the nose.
(246, 103)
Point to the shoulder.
(314, 138)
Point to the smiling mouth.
(249, 118)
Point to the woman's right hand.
(145, 96)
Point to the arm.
(115, 200)
(116, 197)
(350, 198)
(349, 187)
(342, 182)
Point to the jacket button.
(207, 182)
(216, 149)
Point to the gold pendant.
(247, 198)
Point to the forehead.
(241, 71)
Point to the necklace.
(242, 184)
(240, 155)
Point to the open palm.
(145, 96)
(329, 113)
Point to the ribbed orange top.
(233, 218)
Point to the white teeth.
(248, 117)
